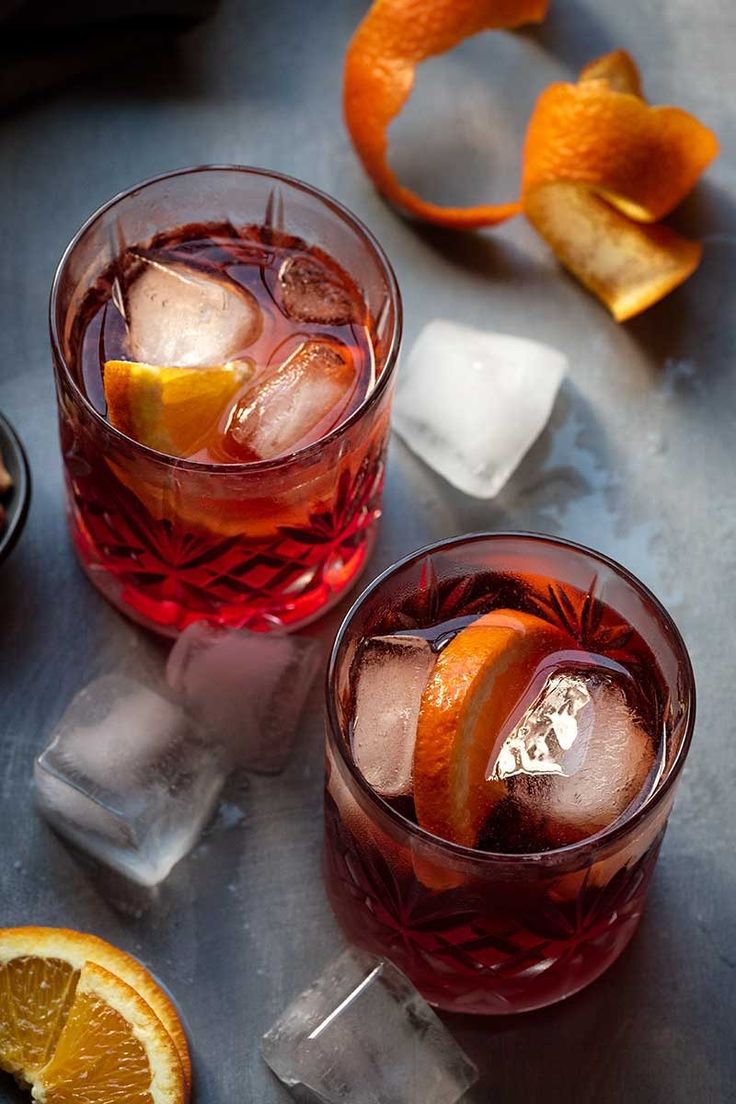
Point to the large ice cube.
(128, 778)
(248, 688)
(180, 316)
(471, 403)
(578, 757)
(312, 292)
(304, 398)
(363, 1035)
(390, 675)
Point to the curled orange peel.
(394, 37)
(601, 167)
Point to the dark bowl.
(17, 499)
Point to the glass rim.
(337, 209)
(607, 836)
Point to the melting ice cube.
(361, 1034)
(128, 778)
(248, 688)
(311, 292)
(180, 316)
(471, 403)
(296, 404)
(558, 722)
(390, 675)
(578, 757)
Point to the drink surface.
(285, 320)
(527, 727)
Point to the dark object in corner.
(44, 42)
(16, 498)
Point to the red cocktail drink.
(507, 718)
(225, 343)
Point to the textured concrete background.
(638, 461)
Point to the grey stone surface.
(638, 461)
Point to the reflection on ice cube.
(362, 1034)
(471, 403)
(180, 316)
(578, 758)
(561, 715)
(128, 778)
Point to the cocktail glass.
(479, 931)
(171, 541)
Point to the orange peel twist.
(601, 167)
(394, 37)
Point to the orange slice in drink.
(172, 410)
(479, 679)
(40, 971)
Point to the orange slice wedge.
(601, 167)
(478, 680)
(112, 1047)
(394, 37)
(39, 976)
(172, 410)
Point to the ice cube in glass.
(578, 757)
(390, 675)
(178, 315)
(311, 292)
(295, 404)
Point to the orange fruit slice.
(172, 410)
(39, 976)
(112, 1047)
(479, 678)
(394, 37)
(601, 167)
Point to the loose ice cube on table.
(296, 404)
(578, 757)
(312, 292)
(248, 688)
(180, 316)
(389, 677)
(128, 778)
(363, 1035)
(471, 403)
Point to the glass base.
(483, 949)
(167, 607)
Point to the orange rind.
(601, 167)
(394, 37)
(478, 680)
(41, 983)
